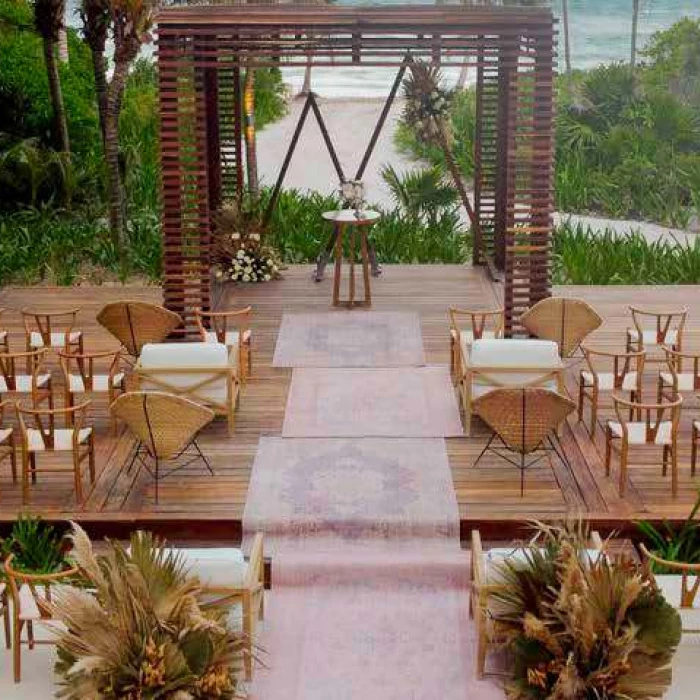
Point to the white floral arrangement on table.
(352, 194)
(239, 251)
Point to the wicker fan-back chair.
(525, 420)
(165, 425)
(135, 323)
(565, 321)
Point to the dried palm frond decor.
(581, 625)
(427, 112)
(239, 251)
(143, 631)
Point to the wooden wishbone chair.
(7, 447)
(36, 382)
(39, 435)
(653, 330)
(674, 380)
(466, 326)
(4, 337)
(52, 329)
(656, 424)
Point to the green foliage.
(37, 546)
(270, 102)
(582, 256)
(674, 544)
(15, 13)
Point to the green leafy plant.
(671, 543)
(144, 631)
(583, 627)
(36, 545)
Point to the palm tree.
(635, 26)
(95, 15)
(567, 35)
(48, 20)
(132, 21)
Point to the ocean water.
(600, 32)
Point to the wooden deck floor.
(194, 504)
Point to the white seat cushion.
(198, 356)
(696, 424)
(5, 433)
(63, 439)
(58, 339)
(3, 335)
(670, 586)
(216, 566)
(467, 337)
(23, 382)
(606, 380)
(686, 380)
(649, 337)
(637, 432)
(231, 337)
(512, 354)
(100, 382)
(480, 389)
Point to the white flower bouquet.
(248, 265)
(352, 194)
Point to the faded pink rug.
(349, 339)
(392, 402)
(371, 489)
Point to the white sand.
(350, 124)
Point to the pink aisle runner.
(370, 594)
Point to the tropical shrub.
(36, 546)
(583, 627)
(143, 631)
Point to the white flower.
(246, 278)
(240, 253)
(254, 236)
(267, 278)
(248, 269)
(235, 236)
(218, 274)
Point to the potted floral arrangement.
(143, 629)
(240, 253)
(582, 627)
(352, 195)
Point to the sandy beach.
(350, 123)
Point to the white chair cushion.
(23, 382)
(686, 380)
(670, 586)
(58, 339)
(649, 337)
(606, 380)
(63, 439)
(216, 566)
(467, 337)
(4, 434)
(514, 353)
(479, 389)
(199, 356)
(696, 424)
(637, 432)
(3, 335)
(100, 382)
(231, 337)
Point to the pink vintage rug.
(392, 402)
(349, 339)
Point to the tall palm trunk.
(251, 155)
(635, 26)
(99, 69)
(567, 35)
(306, 87)
(60, 123)
(114, 173)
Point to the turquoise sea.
(600, 32)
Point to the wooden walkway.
(194, 504)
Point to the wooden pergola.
(202, 50)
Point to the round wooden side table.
(359, 224)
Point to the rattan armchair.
(4, 337)
(31, 608)
(232, 329)
(82, 376)
(525, 421)
(486, 580)
(166, 427)
(466, 326)
(674, 381)
(656, 424)
(653, 330)
(568, 322)
(39, 434)
(135, 323)
(677, 588)
(52, 329)
(623, 372)
(7, 445)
